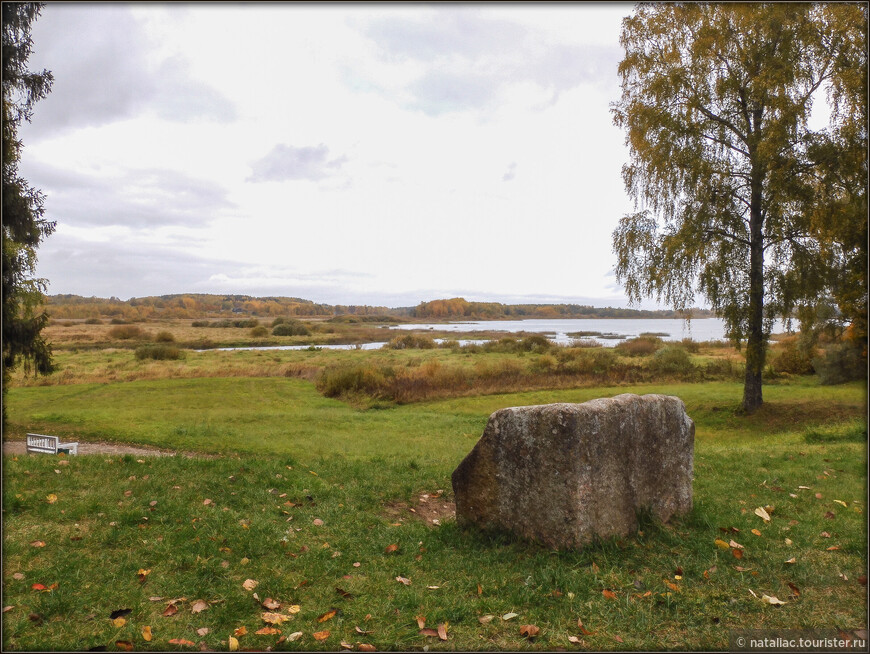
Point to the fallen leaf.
(125, 645)
(329, 615)
(321, 635)
(318, 522)
(761, 513)
(484, 619)
(844, 577)
(143, 573)
(479, 589)
(676, 588)
(789, 541)
(274, 618)
(403, 580)
(391, 548)
(37, 543)
(345, 645)
(529, 630)
(344, 593)
(268, 631)
(155, 599)
(234, 644)
(271, 604)
(442, 631)
(6, 609)
(804, 487)
(509, 616)
(830, 515)
(250, 584)
(574, 640)
(583, 630)
(421, 621)
(293, 608)
(207, 502)
(738, 554)
(721, 544)
(795, 591)
(365, 647)
(18, 575)
(240, 631)
(618, 639)
(202, 631)
(825, 534)
(182, 641)
(362, 631)
(431, 633)
(735, 544)
(296, 635)
(356, 564)
(842, 503)
(772, 600)
(119, 622)
(862, 580)
(756, 532)
(433, 587)
(198, 606)
(170, 610)
(832, 548)
(792, 560)
(51, 498)
(609, 594)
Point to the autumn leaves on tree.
(738, 196)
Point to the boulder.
(565, 474)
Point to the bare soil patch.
(431, 508)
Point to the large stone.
(565, 474)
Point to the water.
(557, 330)
(612, 331)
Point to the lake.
(612, 330)
(617, 329)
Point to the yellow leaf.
(756, 532)
(721, 544)
(234, 644)
(274, 618)
(119, 622)
(761, 513)
(51, 498)
(321, 635)
(146, 632)
(241, 631)
(841, 502)
(268, 631)
(293, 608)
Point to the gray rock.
(564, 474)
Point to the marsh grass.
(284, 443)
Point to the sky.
(381, 154)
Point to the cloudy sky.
(377, 154)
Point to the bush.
(93, 321)
(336, 381)
(841, 363)
(790, 358)
(691, 346)
(290, 328)
(411, 341)
(158, 352)
(545, 363)
(641, 346)
(126, 332)
(672, 360)
(164, 337)
(584, 362)
(259, 331)
(855, 432)
(118, 321)
(536, 343)
(199, 323)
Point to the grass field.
(307, 487)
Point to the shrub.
(126, 332)
(690, 346)
(336, 381)
(259, 331)
(641, 346)
(537, 343)
(118, 321)
(672, 360)
(164, 337)
(792, 359)
(584, 362)
(411, 341)
(290, 328)
(199, 323)
(159, 352)
(93, 321)
(840, 363)
(545, 363)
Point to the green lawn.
(291, 456)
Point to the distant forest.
(194, 305)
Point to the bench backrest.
(40, 443)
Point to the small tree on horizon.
(24, 225)
(715, 102)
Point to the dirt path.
(16, 448)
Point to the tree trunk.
(756, 343)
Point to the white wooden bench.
(49, 445)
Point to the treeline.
(461, 308)
(192, 305)
(199, 306)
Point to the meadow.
(323, 520)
